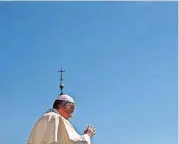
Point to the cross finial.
(61, 81)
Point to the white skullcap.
(65, 98)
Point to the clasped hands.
(90, 130)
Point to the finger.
(93, 128)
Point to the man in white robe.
(54, 128)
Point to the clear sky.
(121, 68)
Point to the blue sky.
(120, 60)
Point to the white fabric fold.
(52, 128)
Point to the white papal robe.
(52, 128)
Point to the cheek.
(66, 115)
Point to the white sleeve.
(83, 139)
(74, 137)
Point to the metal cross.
(61, 71)
(61, 81)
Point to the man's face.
(67, 110)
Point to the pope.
(53, 127)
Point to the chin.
(66, 118)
